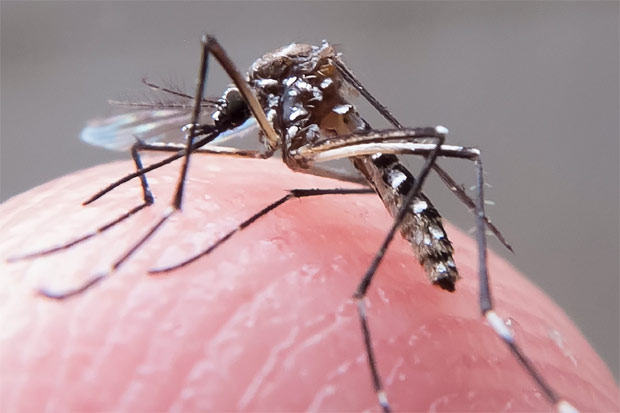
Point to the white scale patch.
(396, 178)
(442, 130)
(427, 240)
(303, 86)
(317, 94)
(286, 51)
(292, 131)
(436, 232)
(498, 325)
(326, 83)
(342, 109)
(265, 83)
(273, 101)
(418, 237)
(312, 132)
(297, 113)
(419, 206)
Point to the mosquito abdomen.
(422, 225)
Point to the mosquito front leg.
(209, 46)
(96, 278)
(178, 197)
(147, 198)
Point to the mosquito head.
(232, 110)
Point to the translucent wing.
(150, 126)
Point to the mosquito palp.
(296, 98)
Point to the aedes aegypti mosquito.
(296, 96)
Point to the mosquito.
(297, 98)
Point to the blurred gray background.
(533, 84)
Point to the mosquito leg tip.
(565, 407)
(383, 401)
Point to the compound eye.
(235, 108)
(234, 101)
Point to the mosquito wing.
(163, 125)
(121, 131)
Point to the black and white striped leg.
(209, 46)
(177, 200)
(362, 288)
(487, 308)
(147, 200)
(293, 193)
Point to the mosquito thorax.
(301, 91)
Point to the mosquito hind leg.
(147, 200)
(445, 177)
(487, 308)
(356, 148)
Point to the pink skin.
(266, 322)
